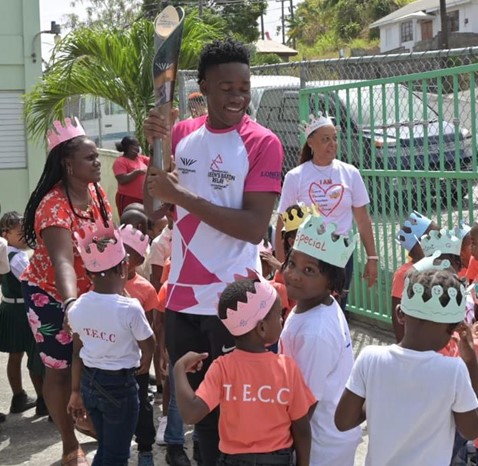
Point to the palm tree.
(112, 64)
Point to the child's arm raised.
(350, 411)
(147, 350)
(302, 437)
(191, 407)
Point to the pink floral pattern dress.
(44, 308)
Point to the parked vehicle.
(375, 129)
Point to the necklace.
(324, 171)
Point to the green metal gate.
(413, 138)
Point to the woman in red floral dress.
(67, 198)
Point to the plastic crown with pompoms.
(318, 239)
(248, 314)
(314, 123)
(293, 217)
(413, 229)
(432, 309)
(100, 247)
(134, 238)
(63, 132)
(444, 240)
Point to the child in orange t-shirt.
(472, 272)
(251, 383)
(136, 243)
(408, 237)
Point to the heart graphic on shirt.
(326, 200)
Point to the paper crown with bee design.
(295, 215)
(318, 239)
(444, 240)
(432, 309)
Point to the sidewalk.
(28, 440)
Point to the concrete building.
(416, 26)
(21, 160)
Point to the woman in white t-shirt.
(337, 190)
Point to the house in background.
(416, 26)
(21, 161)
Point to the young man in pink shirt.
(224, 187)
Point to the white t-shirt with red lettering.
(109, 326)
(219, 166)
(334, 189)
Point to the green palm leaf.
(112, 64)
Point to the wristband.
(68, 302)
(372, 258)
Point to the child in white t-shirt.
(114, 341)
(316, 334)
(413, 397)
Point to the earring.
(122, 275)
(102, 274)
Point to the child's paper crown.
(294, 218)
(432, 263)
(134, 238)
(104, 257)
(444, 240)
(63, 132)
(433, 310)
(314, 123)
(255, 309)
(417, 224)
(462, 230)
(264, 248)
(319, 240)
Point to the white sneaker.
(163, 422)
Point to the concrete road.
(29, 440)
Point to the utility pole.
(283, 21)
(444, 25)
(200, 9)
(262, 26)
(291, 8)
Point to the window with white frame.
(406, 31)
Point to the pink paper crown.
(61, 133)
(255, 309)
(100, 259)
(134, 238)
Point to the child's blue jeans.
(111, 399)
(279, 457)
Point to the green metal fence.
(413, 138)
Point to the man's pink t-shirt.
(220, 166)
(260, 395)
(122, 166)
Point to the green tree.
(114, 64)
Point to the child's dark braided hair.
(429, 278)
(54, 172)
(9, 221)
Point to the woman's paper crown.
(318, 239)
(444, 240)
(63, 132)
(432, 262)
(134, 238)
(432, 309)
(314, 123)
(413, 229)
(294, 218)
(258, 305)
(99, 256)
